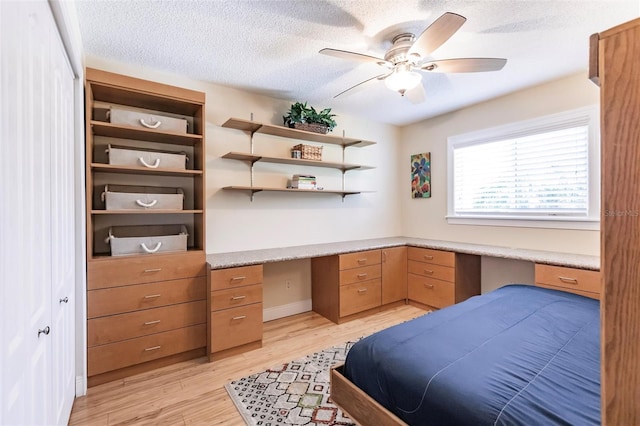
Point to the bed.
(520, 355)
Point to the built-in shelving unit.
(253, 127)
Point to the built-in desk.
(255, 257)
(440, 273)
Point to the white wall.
(425, 218)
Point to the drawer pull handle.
(152, 322)
(362, 275)
(568, 280)
(362, 290)
(238, 297)
(238, 278)
(153, 270)
(428, 257)
(238, 318)
(430, 286)
(428, 271)
(152, 296)
(362, 261)
(154, 348)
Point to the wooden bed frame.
(355, 403)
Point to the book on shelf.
(303, 182)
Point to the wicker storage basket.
(311, 127)
(146, 158)
(128, 240)
(129, 197)
(309, 152)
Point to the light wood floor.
(192, 392)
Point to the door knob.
(45, 330)
(65, 300)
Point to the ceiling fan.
(407, 57)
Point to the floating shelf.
(286, 132)
(252, 158)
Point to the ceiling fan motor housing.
(398, 52)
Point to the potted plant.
(303, 117)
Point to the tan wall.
(425, 218)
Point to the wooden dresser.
(441, 278)
(144, 312)
(235, 310)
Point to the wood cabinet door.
(394, 274)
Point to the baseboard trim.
(81, 386)
(286, 310)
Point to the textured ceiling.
(271, 47)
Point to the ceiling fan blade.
(465, 65)
(359, 85)
(437, 33)
(345, 54)
(416, 95)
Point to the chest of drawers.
(144, 312)
(235, 310)
(440, 278)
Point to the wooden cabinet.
(579, 281)
(394, 274)
(346, 284)
(615, 59)
(144, 310)
(235, 310)
(439, 278)
(253, 128)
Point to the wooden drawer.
(438, 257)
(359, 297)
(233, 297)
(578, 281)
(365, 273)
(236, 326)
(356, 260)
(439, 272)
(115, 272)
(142, 349)
(101, 331)
(111, 301)
(234, 277)
(429, 291)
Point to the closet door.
(35, 333)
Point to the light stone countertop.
(254, 257)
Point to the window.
(540, 173)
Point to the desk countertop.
(253, 257)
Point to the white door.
(63, 231)
(29, 322)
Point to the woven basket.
(309, 152)
(311, 127)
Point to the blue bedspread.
(520, 355)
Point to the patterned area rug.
(295, 393)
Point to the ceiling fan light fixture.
(402, 80)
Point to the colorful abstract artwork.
(421, 175)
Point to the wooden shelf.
(157, 211)
(102, 257)
(285, 132)
(254, 189)
(252, 158)
(109, 168)
(101, 128)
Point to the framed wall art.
(421, 175)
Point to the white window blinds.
(539, 174)
(542, 169)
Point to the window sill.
(586, 224)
